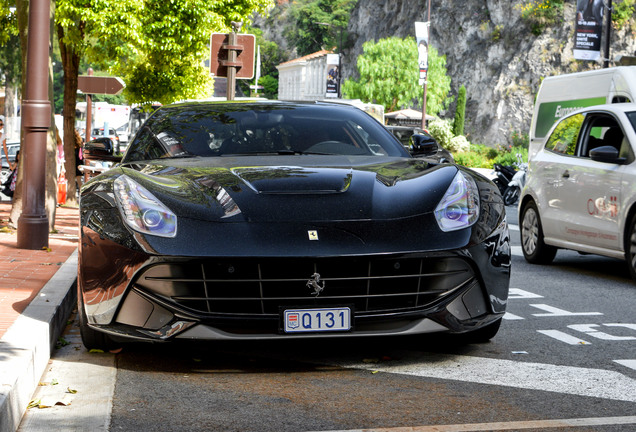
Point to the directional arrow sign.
(100, 85)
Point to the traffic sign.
(90, 84)
(244, 63)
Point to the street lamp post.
(33, 224)
(428, 19)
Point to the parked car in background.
(105, 146)
(12, 149)
(581, 187)
(278, 220)
(404, 134)
(122, 133)
(112, 134)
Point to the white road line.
(627, 363)
(513, 227)
(517, 293)
(512, 317)
(564, 337)
(556, 312)
(501, 426)
(533, 376)
(516, 250)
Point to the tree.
(389, 76)
(318, 24)
(174, 43)
(460, 112)
(157, 46)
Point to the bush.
(472, 160)
(459, 144)
(442, 131)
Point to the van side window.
(565, 136)
(620, 99)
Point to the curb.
(25, 349)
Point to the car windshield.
(235, 129)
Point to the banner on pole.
(421, 37)
(588, 29)
(333, 71)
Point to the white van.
(560, 95)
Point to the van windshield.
(632, 119)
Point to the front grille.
(260, 288)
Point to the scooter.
(504, 175)
(513, 190)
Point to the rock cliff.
(489, 49)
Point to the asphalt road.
(564, 359)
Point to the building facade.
(304, 78)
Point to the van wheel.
(630, 247)
(534, 249)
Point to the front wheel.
(630, 247)
(534, 248)
(511, 195)
(92, 339)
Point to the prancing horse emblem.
(314, 283)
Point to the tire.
(511, 195)
(630, 247)
(92, 339)
(534, 248)
(483, 334)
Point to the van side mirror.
(422, 145)
(607, 154)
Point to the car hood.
(289, 189)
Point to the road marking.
(627, 363)
(564, 337)
(513, 227)
(552, 311)
(515, 425)
(579, 381)
(516, 293)
(516, 250)
(589, 329)
(512, 317)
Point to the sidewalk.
(37, 295)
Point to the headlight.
(142, 211)
(459, 208)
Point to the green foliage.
(459, 144)
(442, 131)
(520, 139)
(10, 53)
(481, 156)
(173, 43)
(389, 76)
(318, 24)
(460, 112)
(541, 14)
(622, 13)
(270, 86)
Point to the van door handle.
(566, 174)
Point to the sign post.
(232, 56)
(91, 85)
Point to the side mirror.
(423, 145)
(607, 154)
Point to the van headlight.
(142, 211)
(459, 208)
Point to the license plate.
(317, 320)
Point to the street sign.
(244, 63)
(90, 84)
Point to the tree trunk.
(70, 64)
